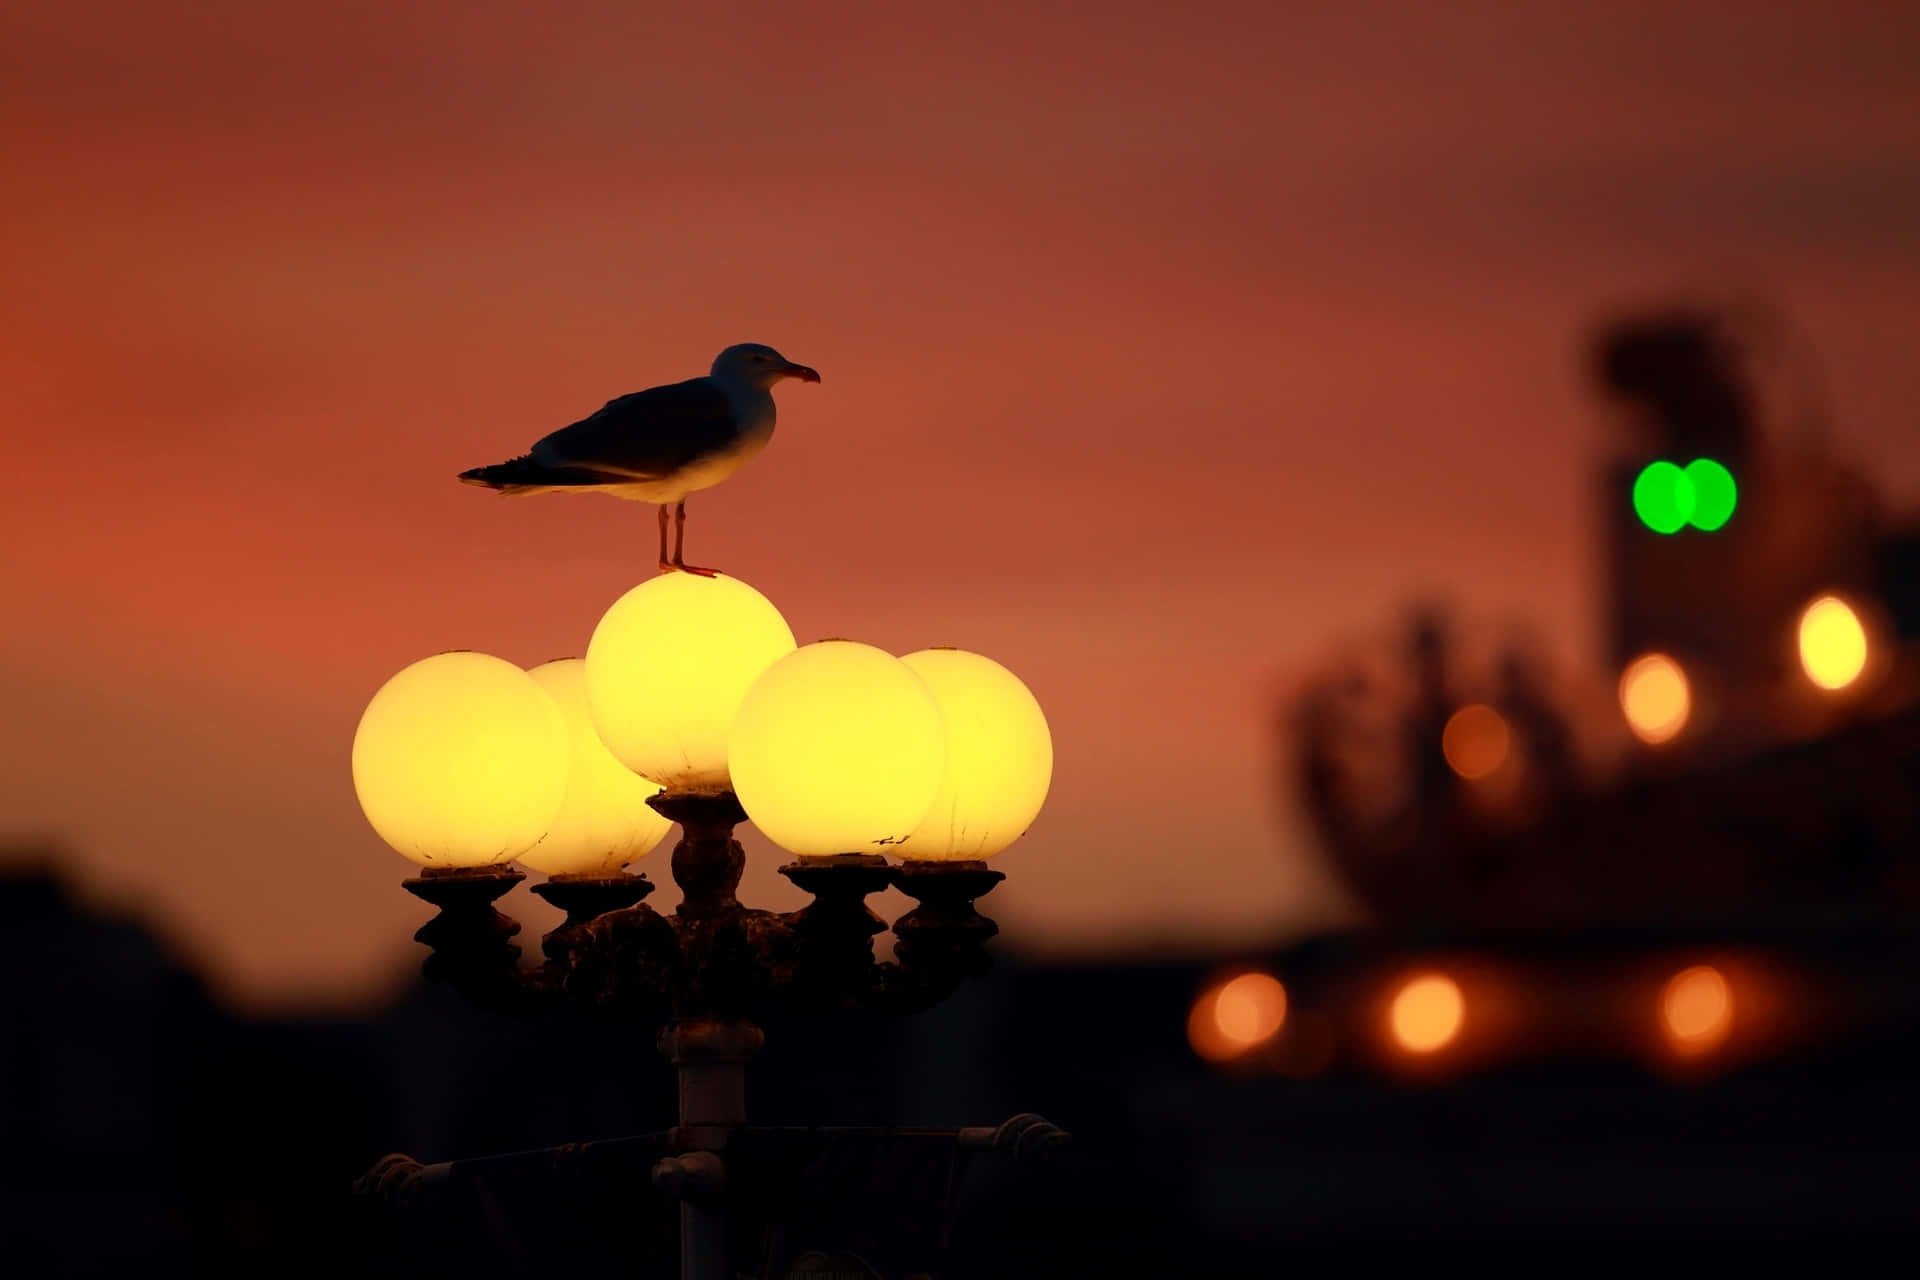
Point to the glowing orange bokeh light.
(1475, 741)
(1833, 643)
(1427, 1013)
(1237, 1015)
(1655, 698)
(1696, 1008)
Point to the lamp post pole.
(710, 1057)
(709, 1053)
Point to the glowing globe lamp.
(1715, 495)
(1663, 497)
(1655, 698)
(1833, 643)
(604, 820)
(460, 760)
(667, 667)
(999, 758)
(838, 748)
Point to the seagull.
(661, 444)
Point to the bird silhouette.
(661, 444)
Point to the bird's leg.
(666, 565)
(680, 540)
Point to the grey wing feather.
(648, 434)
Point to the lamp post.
(694, 706)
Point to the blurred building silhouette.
(1724, 604)
(1461, 787)
(138, 1118)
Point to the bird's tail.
(518, 475)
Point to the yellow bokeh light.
(1655, 698)
(1475, 741)
(1231, 1017)
(1427, 1013)
(1833, 643)
(667, 667)
(999, 758)
(604, 821)
(838, 748)
(1696, 1007)
(460, 760)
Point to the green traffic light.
(1663, 497)
(1667, 498)
(1714, 494)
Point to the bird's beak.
(801, 372)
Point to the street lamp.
(604, 821)
(1656, 698)
(999, 758)
(460, 761)
(1833, 643)
(1426, 1014)
(694, 701)
(667, 667)
(837, 748)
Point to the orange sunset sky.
(1164, 346)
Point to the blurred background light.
(1427, 1013)
(1715, 495)
(1475, 741)
(460, 760)
(999, 758)
(1663, 497)
(1655, 698)
(1696, 1008)
(666, 670)
(1833, 643)
(1236, 1015)
(838, 748)
(604, 820)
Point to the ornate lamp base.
(833, 934)
(584, 897)
(945, 919)
(472, 946)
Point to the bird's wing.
(647, 435)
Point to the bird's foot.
(683, 567)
